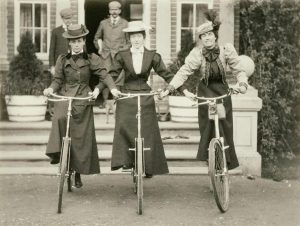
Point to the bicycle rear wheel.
(63, 170)
(219, 174)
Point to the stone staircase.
(23, 145)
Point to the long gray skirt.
(126, 131)
(206, 126)
(84, 152)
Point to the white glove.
(164, 93)
(52, 70)
(189, 95)
(95, 93)
(240, 87)
(48, 91)
(116, 93)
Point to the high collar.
(211, 54)
(139, 50)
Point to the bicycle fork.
(214, 110)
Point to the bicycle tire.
(70, 180)
(139, 176)
(219, 174)
(140, 193)
(63, 170)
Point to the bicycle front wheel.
(63, 170)
(219, 174)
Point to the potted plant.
(180, 107)
(24, 84)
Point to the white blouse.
(137, 59)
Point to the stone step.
(34, 155)
(43, 139)
(43, 168)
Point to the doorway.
(97, 10)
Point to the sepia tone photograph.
(150, 112)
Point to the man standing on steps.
(109, 39)
(58, 44)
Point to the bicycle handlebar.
(67, 98)
(132, 95)
(210, 99)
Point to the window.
(190, 17)
(33, 16)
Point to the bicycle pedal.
(225, 147)
(126, 170)
(131, 149)
(146, 149)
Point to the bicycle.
(217, 165)
(64, 169)
(138, 171)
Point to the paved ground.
(168, 200)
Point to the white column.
(146, 19)
(163, 29)
(226, 32)
(61, 4)
(245, 110)
(81, 18)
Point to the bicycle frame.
(64, 165)
(217, 141)
(139, 166)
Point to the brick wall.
(173, 28)
(237, 25)
(153, 24)
(10, 29)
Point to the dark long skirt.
(126, 132)
(84, 152)
(206, 126)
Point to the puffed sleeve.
(160, 68)
(116, 69)
(233, 61)
(58, 77)
(99, 70)
(192, 63)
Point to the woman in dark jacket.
(137, 62)
(212, 62)
(72, 75)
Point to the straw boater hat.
(75, 31)
(66, 13)
(135, 26)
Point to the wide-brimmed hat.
(114, 5)
(66, 13)
(135, 26)
(205, 27)
(75, 31)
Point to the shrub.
(25, 75)
(270, 35)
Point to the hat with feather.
(212, 24)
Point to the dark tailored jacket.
(58, 45)
(114, 39)
(133, 81)
(72, 79)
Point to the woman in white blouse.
(137, 62)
